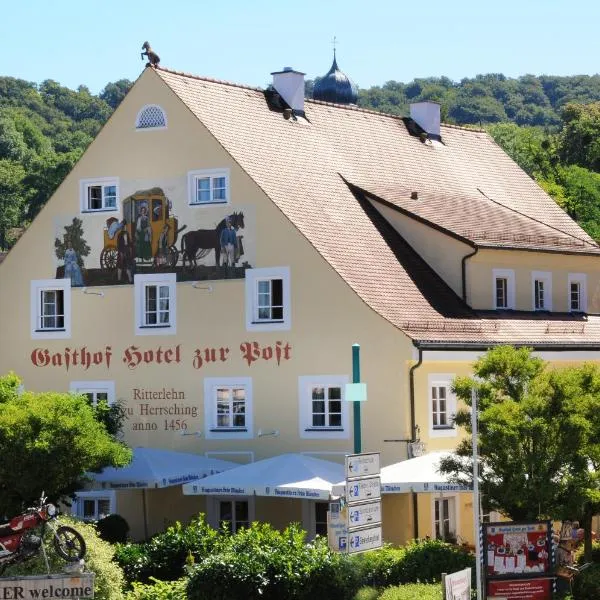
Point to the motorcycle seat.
(5, 529)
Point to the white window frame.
(306, 429)
(211, 174)
(212, 508)
(546, 278)
(85, 184)
(141, 282)
(453, 513)
(253, 277)
(211, 430)
(94, 387)
(509, 275)
(141, 112)
(581, 279)
(80, 497)
(442, 380)
(48, 285)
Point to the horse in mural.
(198, 243)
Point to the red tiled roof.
(303, 166)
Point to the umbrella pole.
(145, 509)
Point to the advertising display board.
(520, 589)
(517, 548)
(518, 560)
(458, 585)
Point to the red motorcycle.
(23, 536)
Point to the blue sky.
(92, 43)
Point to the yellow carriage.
(147, 227)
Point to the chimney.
(427, 116)
(290, 86)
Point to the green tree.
(48, 441)
(113, 93)
(72, 235)
(539, 432)
(580, 135)
(12, 198)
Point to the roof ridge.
(209, 79)
(352, 107)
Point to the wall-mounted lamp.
(195, 433)
(273, 432)
(197, 285)
(92, 292)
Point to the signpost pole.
(477, 525)
(356, 379)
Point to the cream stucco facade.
(164, 376)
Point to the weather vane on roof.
(334, 44)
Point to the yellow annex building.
(217, 250)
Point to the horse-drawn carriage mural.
(148, 237)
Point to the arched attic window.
(151, 116)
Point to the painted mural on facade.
(150, 233)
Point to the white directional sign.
(359, 490)
(368, 538)
(368, 513)
(362, 465)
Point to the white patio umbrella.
(420, 474)
(283, 476)
(158, 468)
(154, 468)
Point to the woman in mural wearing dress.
(143, 234)
(72, 269)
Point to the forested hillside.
(549, 125)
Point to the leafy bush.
(587, 584)
(109, 581)
(595, 553)
(261, 562)
(367, 593)
(113, 529)
(379, 568)
(164, 556)
(414, 591)
(159, 590)
(424, 562)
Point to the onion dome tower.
(336, 86)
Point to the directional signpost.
(363, 502)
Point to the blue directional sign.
(364, 539)
(366, 513)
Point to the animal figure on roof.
(153, 58)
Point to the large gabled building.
(217, 250)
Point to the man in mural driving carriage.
(146, 235)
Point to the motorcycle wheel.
(69, 544)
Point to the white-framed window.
(442, 405)
(93, 506)
(541, 288)
(268, 299)
(228, 407)
(101, 194)
(577, 292)
(151, 116)
(323, 411)
(95, 391)
(232, 512)
(503, 291)
(208, 186)
(444, 518)
(50, 308)
(155, 304)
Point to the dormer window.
(542, 290)
(503, 289)
(151, 116)
(577, 292)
